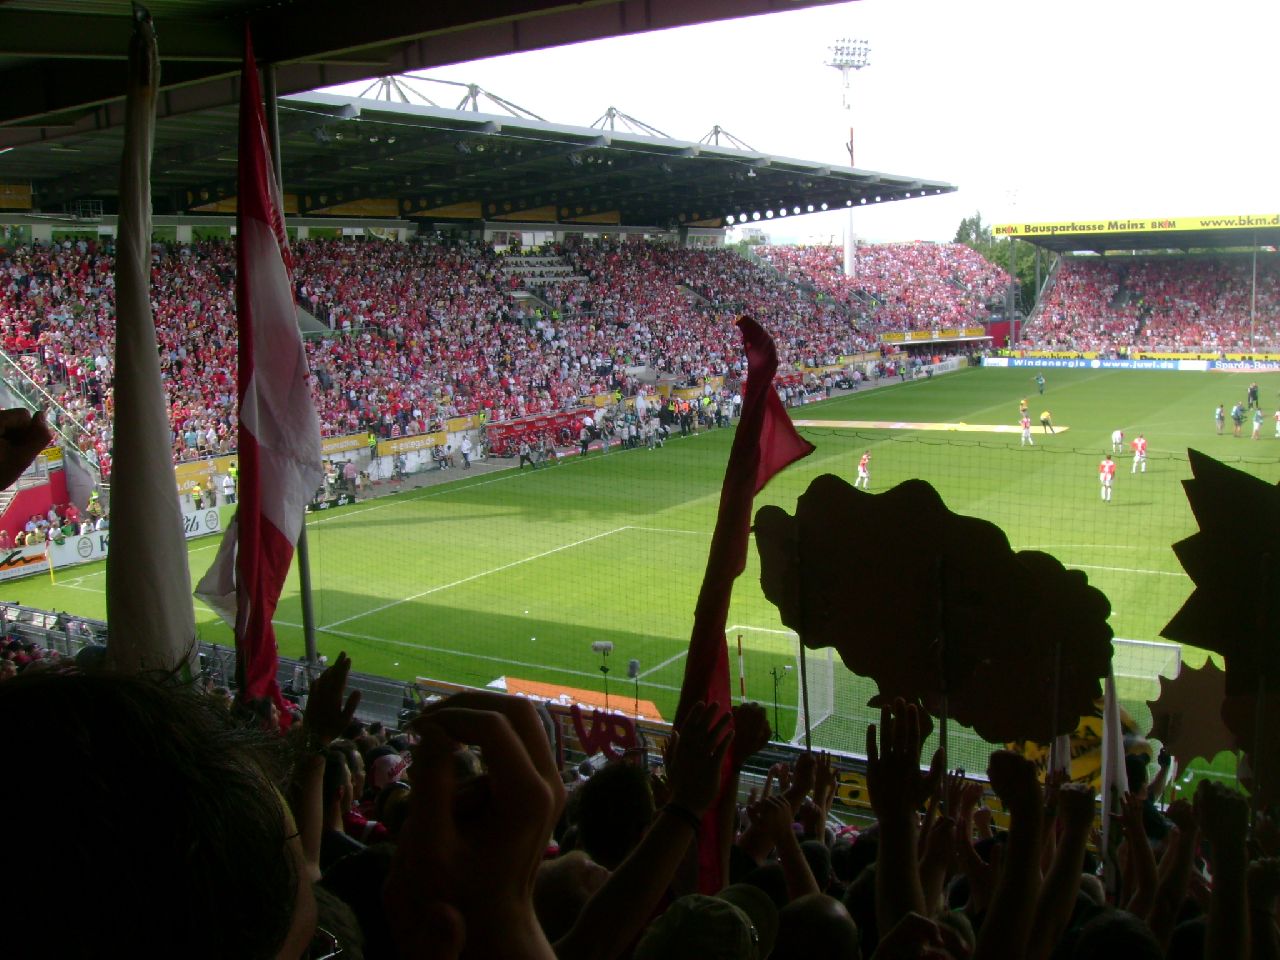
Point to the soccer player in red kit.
(1139, 453)
(1106, 471)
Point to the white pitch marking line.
(1089, 546)
(1094, 566)
(667, 662)
(695, 533)
(474, 576)
(470, 654)
(743, 626)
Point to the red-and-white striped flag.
(279, 444)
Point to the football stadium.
(435, 466)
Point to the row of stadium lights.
(782, 211)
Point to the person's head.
(1135, 767)
(698, 927)
(816, 927)
(1116, 935)
(337, 783)
(355, 764)
(818, 857)
(562, 888)
(615, 808)
(860, 900)
(163, 800)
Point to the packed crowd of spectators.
(900, 286)
(423, 331)
(427, 331)
(1170, 304)
(462, 837)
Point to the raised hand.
(894, 780)
(1013, 778)
(1223, 815)
(1077, 806)
(22, 437)
(824, 782)
(695, 757)
(751, 732)
(802, 779)
(462, 879)
(326, 715)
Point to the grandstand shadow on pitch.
(363, 516)
(421, 638)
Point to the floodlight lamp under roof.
(850, 54)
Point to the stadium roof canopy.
(355, 157)
(1164, 233)
(62, 73)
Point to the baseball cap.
(759, 908)
(698, 927)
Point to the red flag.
(279, 442)
(766, 441)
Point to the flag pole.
(302, 552)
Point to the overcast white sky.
(1036, 110)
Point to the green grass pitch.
(516, 573)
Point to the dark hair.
(163, 801)
(615, 808)
(815, 926)
(1116, 934)
(358, 880)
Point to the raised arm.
(897, 788)
(1224, 822)
(618, 911)
(461, 882)
(1076, 807)
(326, 716)
(1007, 927)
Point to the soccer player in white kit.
(1117, 441)
(864, 471)
(1026, 432)
(1139, 454)
(1106, 471)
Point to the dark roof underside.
(352, 156)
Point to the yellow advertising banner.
(459, 424)
(915, 336)
(352, 441)
(1244, 221)
(15, 196)
(200, 471)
